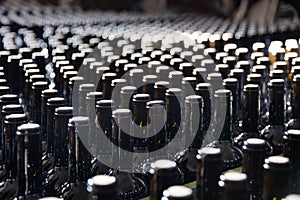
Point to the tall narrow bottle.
(129, 185)
(173, 123)
(232, 85)
(11, 122)
(46, 94)
(30, 176)
(9, 187)
(250, 121)
(52, 104)
(37, 89)
(193, 133)
(57, 175)
(223, 135)
(79, 160)
(273, 133)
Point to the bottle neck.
(10, 150)
(234, 91)
(122, 128)
(156, 129)
(107, 88)
(36, 112)
(173, 116)
(29, 165)
(60, 141)
(79, 156)
(194, 123)
(50, 128)
(226, 131)
(276, 108)
(251, 112)
(206, 107)
(104, 118)
(140, 113)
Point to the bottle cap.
(28, 129)
(177, 191)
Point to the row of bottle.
(41, 61)
(281, 174)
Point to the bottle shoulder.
(232, 156)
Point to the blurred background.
(255, 10)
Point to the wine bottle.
(129, 184)
(10, 186)
(232, 85)
(79, 161)
(273, 133)
(231, 155)
(57, 175)
(193, 129)
(250, 121)
(173, 123)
